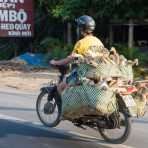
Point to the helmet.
(86, 24)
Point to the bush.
(58, 52)
(8, 49)
(50, 43)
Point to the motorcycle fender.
(49, 89)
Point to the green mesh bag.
(102, 70)
(140, 107)
(127, 72)
(87, 100)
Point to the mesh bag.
(87, 100)
(102, 70)
(127, 72)
(140, 107)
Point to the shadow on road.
(12, 128)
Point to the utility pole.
(131, 34)
(69, 33)
(111, 35)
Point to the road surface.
(20, 127)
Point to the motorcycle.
(114, 128)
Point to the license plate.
(129, 101)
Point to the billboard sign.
(16, 18)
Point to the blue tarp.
(36, 60)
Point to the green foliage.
(8, 49)
(69, 9)
(6, 54)
(49, 16)
(50, 43)
(110, 9)
(58, 53)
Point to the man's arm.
(62, 61)
(76, 51)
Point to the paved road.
(20, 127)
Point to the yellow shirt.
(88, 43)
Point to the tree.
(52, 15)
(102, 9)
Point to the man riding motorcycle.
(85, 27)
(96, 94)
(86, 46)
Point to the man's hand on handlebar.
(60, 62)
(53, 62)
(67, 60)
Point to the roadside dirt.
(30, 81)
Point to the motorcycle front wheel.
(119, 134)
(48, 110)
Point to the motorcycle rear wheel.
(49, 118)
(123, 137)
